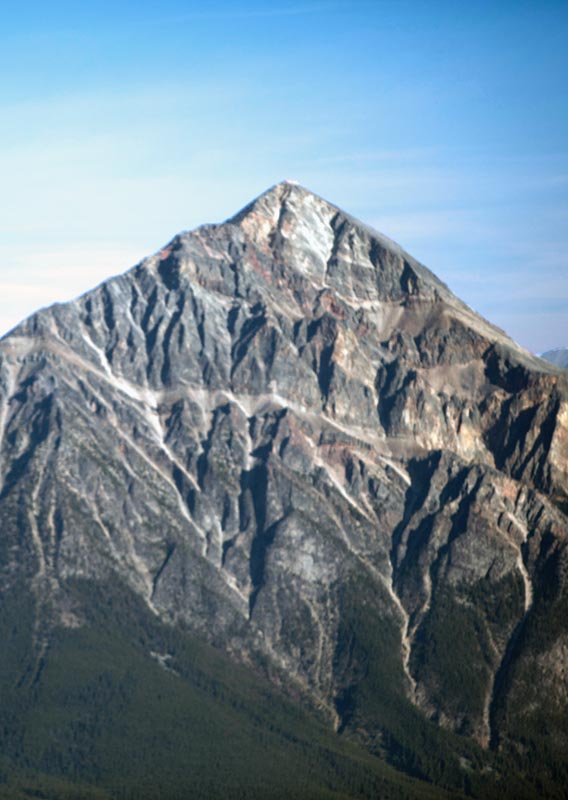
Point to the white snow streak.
(520, 564)
(4, 411)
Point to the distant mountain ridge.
(283, 438)
(558, 356)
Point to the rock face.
(285, 434)
(558, 356)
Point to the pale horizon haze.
(443, 125)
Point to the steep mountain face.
(287, 437)
(558, 356)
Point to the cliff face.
(285, 434)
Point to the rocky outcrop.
(281, 424)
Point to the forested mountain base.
(140, 710)
(125, 707)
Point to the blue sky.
(444, 125)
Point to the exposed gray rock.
(269, 411)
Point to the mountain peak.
(286, 435)
(292, 203)
(275, 197)
(298, 228)
(332, 248)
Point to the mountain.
(278, 510)
(558, 356)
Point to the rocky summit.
(284, 439)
